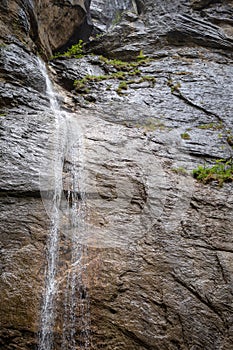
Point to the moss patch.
(185, 136)
(128, 73)
(211, 126)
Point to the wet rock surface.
(23, 236)
(159, 260)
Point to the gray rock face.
(170, 24)
(104, 13)
(158, 262)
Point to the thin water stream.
(65, 322)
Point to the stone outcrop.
(104, 13)
(159, 258)
(60, 22)
(45, 26)
(168, 24)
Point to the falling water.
(66, 208)
(111, 8)
(76, 300)
(114, 6)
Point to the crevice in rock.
(221, 269)
(176, 92)
(199, 297)
(202, 155)
(106, 307)
(135, 338)
(20, 194)
(217, 249)
(147, 261)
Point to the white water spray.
(66, 208)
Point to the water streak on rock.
(65, 204)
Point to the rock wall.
(163, 24)
(104, 13)
(159, 263)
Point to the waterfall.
(111, 8)
(114, 6)
(64, 201)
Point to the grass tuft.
(221, 171)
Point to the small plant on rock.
(185, 136)
(221, 171)
(141, 56)
(75, 51)
(213, 126)
(122, 86)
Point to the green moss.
(123, 65)
(221, 171)
(183, 73)
(81, 83)
(135, 72)
(85, 90)
(97, 77)
(170, 82)
(141, 56)
(173, 86)
(99, 35)
(118, 64)
(149, 78)
(125, 70)
(213, 126)
(122, 86)
(118, 75)
(108, 88)
(185, 136)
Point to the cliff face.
(168, 23)
(159, 260)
